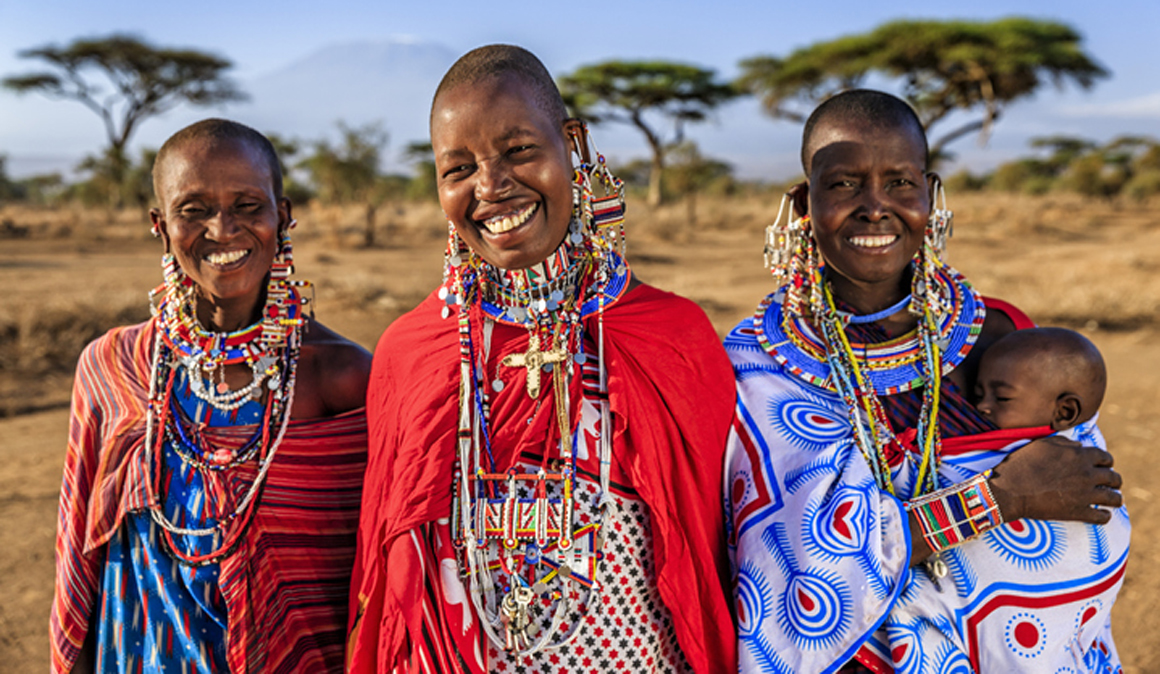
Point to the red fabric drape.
(672, 395)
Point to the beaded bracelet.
(957, 513)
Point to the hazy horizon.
(275, 52)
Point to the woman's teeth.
(504, 223)
(226, 257)
(873, 241)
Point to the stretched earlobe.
(155, 219)
(933, 182)
(799, 194)
(577, 132)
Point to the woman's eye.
(456, 171)
(191, 211)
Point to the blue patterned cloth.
(821, 554)
(157, 615)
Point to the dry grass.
(1062, 258)
(69, 275)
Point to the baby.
(1041, 377)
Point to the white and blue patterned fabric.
(821, 555)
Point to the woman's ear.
(285, 214)
(1068, 411)
(158, 220)
(576, 131)
(799, 194)
(933, 180)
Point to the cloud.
(1140, 107)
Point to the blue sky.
(261, 37)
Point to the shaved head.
(875, 109)
(219, 131)
(494, 61)
(1063, 361)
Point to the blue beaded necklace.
(879, 315)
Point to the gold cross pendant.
(533, 359)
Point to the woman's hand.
(1057, 479)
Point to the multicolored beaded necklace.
(533, 539)
(948, 326)
(270, 348)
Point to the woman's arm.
(1052, 478)
(1057, 479)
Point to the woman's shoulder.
(662, 311)
(119, 343)
(336, 368)
(1005, 316)
(1002, 318)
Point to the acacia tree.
(943, 66)
(422, 185)
(691, 172)
(125, 80)
(629, 91)
(349, 171)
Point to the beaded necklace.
(270, 348)
(821, 354)
(534, 540)
(893, 366)
(873, 432)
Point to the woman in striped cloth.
(215, 458)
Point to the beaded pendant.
(532, 540)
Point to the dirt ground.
(1090, 266)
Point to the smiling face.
(220, 219)
(869, 201)
(504, 170)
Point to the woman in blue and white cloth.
(879, 521)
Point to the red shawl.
(672, 396)
(285, 585)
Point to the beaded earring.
(940, 227)
(174, 276)
(603, 216)
(283, 264)
(458, 259)
(925, 290)
(791, 255)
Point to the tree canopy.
(125, 80)
(943, 66)
(349, 171)
(627, 91)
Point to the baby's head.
(1041, 377)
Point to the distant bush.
(1150, 159)
(965, 181)
(1144, 184)
(1013, 176)
(1037, 185)
(45, 339)
(1091, 176)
